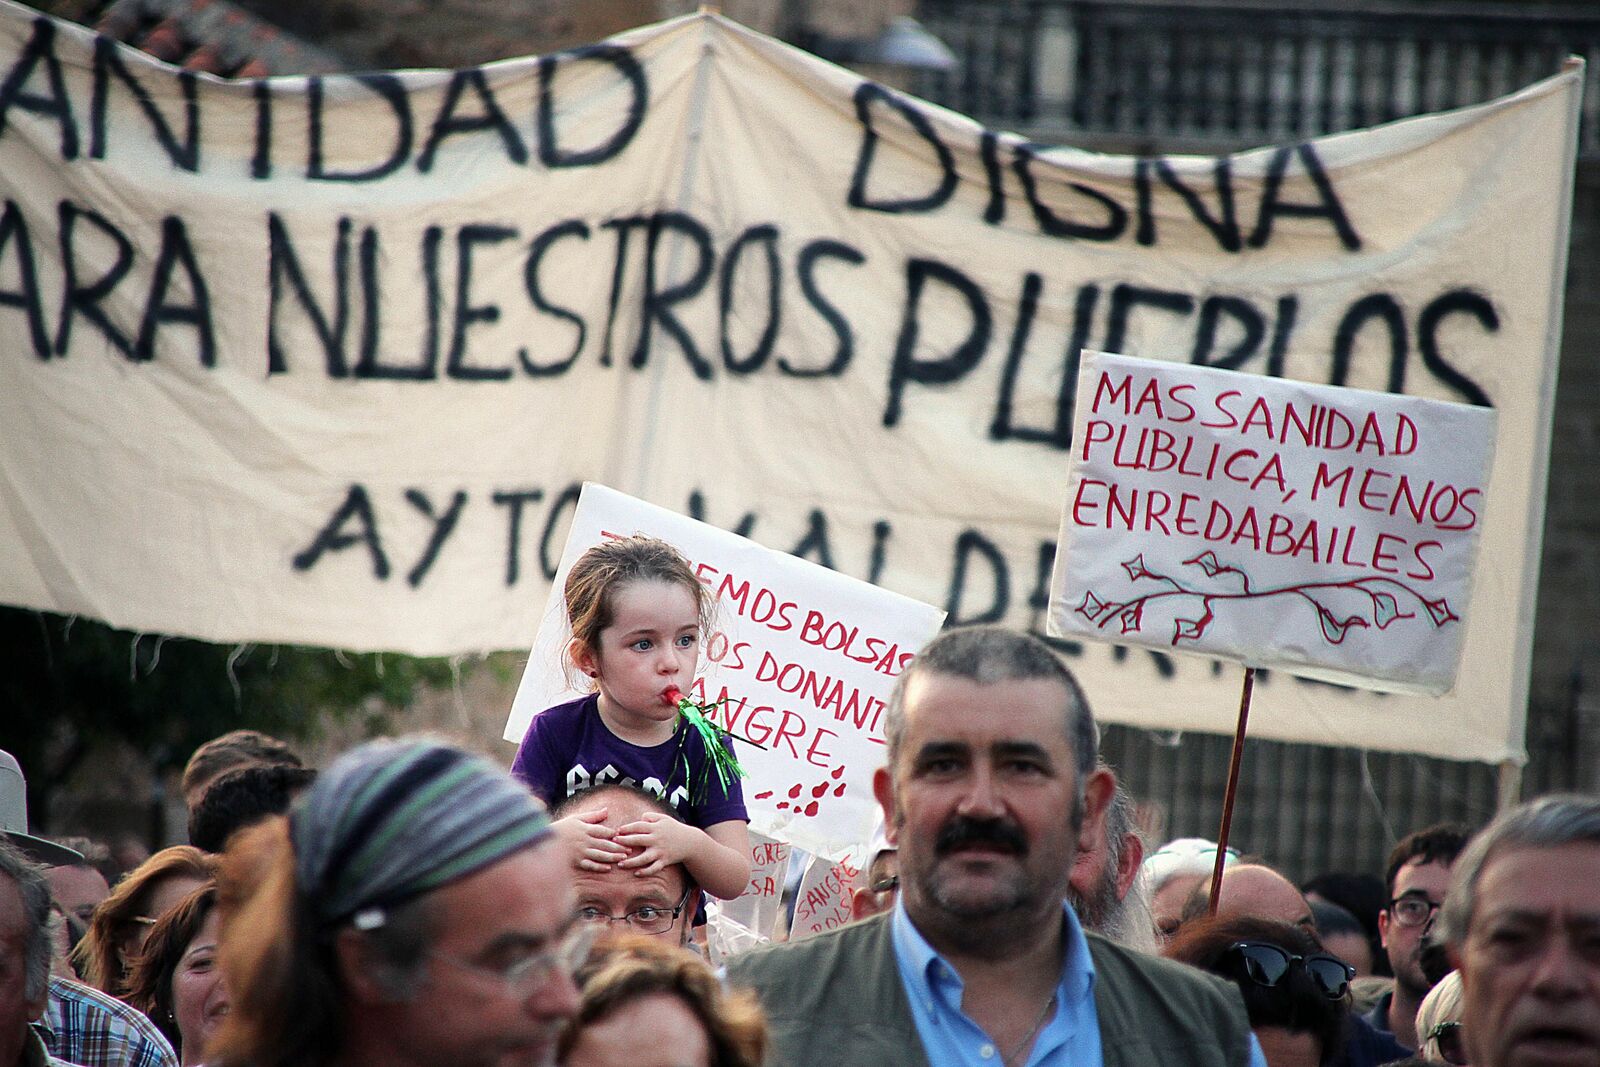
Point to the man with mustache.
(1522, 924)
(990, 791)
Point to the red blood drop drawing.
(794, 794)
(783, 805)
(818, 790)
(764, 794)
(839, 792)
(811, 809)
(839, 770)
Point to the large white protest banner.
(325, 360)
(799, 667)
(1326, 531)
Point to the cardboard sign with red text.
(1324, 531)
(800, 659)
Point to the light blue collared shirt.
(1069, 1038)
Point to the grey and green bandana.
(393, 819)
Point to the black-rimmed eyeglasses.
(1413, 910)
(646, 918)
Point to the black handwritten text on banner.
(321, 359)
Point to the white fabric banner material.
(325, 360)
(1324, 531)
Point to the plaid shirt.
(85, 1026)
(34, 1055)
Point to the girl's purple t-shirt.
(569, 748)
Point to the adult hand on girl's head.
(590, 842)
(660, 839)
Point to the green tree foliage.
(70, 685)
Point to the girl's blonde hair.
(594, 580)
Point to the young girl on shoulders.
(637, 613)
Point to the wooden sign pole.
(1233, 786)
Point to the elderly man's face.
(466, 1012)
(880, 889)
(17, 1009)
(982, 802)
(1530, 967)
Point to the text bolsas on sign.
(800, 663)
(758, 909)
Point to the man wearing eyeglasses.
(661, 902)
(414, 910)
(1418, 875)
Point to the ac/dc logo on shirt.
(579, 779)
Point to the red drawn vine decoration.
(1384, 594)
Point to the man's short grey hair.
(1549, 822)
(990, 654)
(1120, 821)
(34, 888)
(1129, 922)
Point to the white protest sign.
(325, 360)
(800, 664)
(757, 909)
(1328, 532)
(823, 900)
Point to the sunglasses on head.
(1266, 964)
(1447, 1036)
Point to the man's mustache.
(961, 831)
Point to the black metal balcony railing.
(1189, 73)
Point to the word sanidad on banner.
(1329, 532)
(364, 268)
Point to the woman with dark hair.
(175, 979)
(648, 1004)
(1296, 994)
(1342, 935)
(123, 920)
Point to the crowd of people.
(413, 904)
